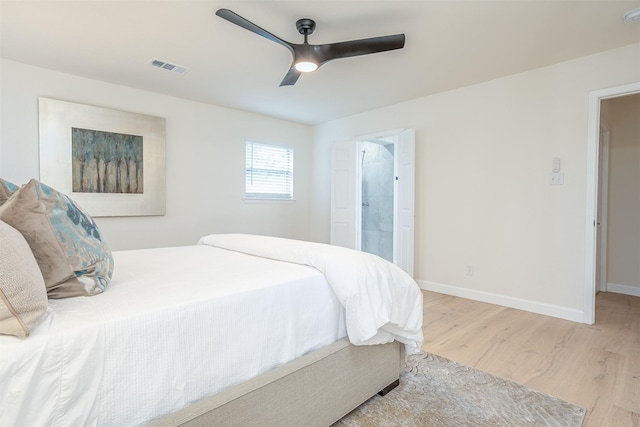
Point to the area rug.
(435, 391)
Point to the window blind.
(269, 171)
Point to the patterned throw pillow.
(72, 255)
(6, 190)
(23, 296)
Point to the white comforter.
(177, 324)
(382, 302)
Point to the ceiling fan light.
(306, 66)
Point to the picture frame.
(111, 162)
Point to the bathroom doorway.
(372, 195)
(377, 182)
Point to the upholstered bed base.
(314, 390)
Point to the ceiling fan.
(308, 57)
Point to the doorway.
(622, 203)
(372, 195)
(594, 192)
(377, 197)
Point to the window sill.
(257, 200)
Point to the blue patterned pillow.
(72, 255)
(6, 190)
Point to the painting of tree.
(106, 162)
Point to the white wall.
(483, 159)
(622, 116)
(204, 158)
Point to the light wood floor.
(594, 366)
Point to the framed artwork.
(111, 162)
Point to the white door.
(344, 197)
(343, 194)
(405, 201)
(601, 217)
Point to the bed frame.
(314, 390)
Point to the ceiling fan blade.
(248, 25)
(291, 78)
(328, 52)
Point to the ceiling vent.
(168, 66)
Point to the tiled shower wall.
(377, 199)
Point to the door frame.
(591, 217)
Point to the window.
(269, 172)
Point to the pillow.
(23, 296)
(72, 256)
(6, 190)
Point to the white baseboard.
(518, 303)
(623, 289)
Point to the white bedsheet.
(382, 301)
(174, 325)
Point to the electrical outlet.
(469, 270)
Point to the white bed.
(184, 331)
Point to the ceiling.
(449, 44)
